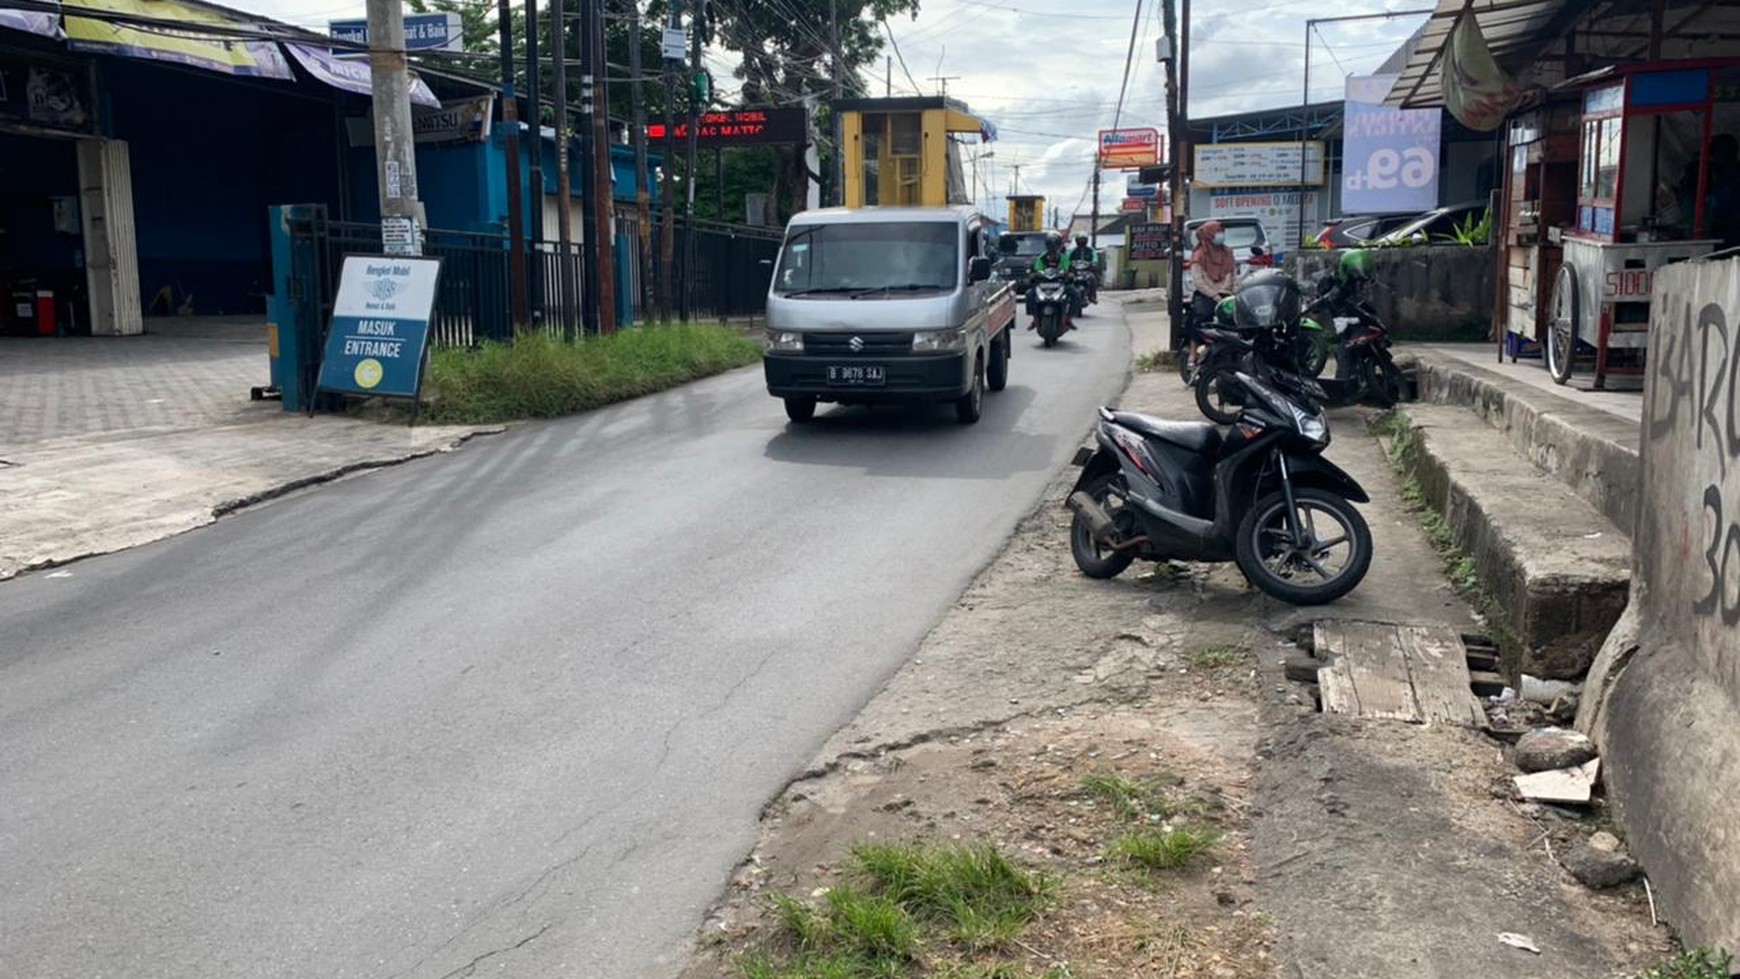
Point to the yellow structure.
(1026, 212)
(899, 154)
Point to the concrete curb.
(1558, 571)
(1589, 450)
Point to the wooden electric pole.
(510, 117)
(395, 150)
(566, 282)
(642, 202)
(668, 191)
(601, 233)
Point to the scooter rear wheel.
(1091, 557)
(1317, 570)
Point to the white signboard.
(1389, 155)
(1277, 209)
(1258, 164)
(674, 43)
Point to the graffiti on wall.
(1695, 393)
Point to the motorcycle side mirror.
(979, 269)
(1257, 251)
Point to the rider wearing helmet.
(1352, 272)
(1084, 252)
(1053, 258)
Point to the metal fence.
(731, 269)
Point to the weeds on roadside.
(1126, 796)
(1156, 360)
(1219, 657)
(1162, 849)
(1699, 963)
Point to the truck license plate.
(858, 374)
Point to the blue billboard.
(1389, 155)
(423, 32)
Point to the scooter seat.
(1194, 436)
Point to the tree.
(787, 58)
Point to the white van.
(877, 305)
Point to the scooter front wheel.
(1093, 558)
(1313, 558)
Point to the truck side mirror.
(978, 269)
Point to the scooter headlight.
(1310, 424)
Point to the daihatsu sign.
(1129, 149)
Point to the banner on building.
(1259, 164)
(1129, 149)
(1476, 91)
(1389, 156)
(1135, 205)
(43, 22)
(437, 31)
(1278, 210)
(182, 44)
(459, 121)
(349, 75)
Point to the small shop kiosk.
(1026, 212)
(1655, 183)
(900, 152)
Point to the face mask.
(1220, 239)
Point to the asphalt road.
(514, 709)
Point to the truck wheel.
(800, 409)
(997, 374)
(969, 406)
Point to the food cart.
(1646, 176)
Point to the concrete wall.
(1664, 695)
(1437, 292)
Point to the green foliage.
(1700, 963)
(1471, 232)
(1158, 360)
(974, 893)
(1162, 849)
(541, 376)
(1126, 796)
(1220, 657)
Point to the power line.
(889, 31)
(1129, 58)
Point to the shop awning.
(352, 75)
(1509, 28)
(178, 32)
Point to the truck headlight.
(785, 341)
(935, 340)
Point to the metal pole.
(1094, 215)
(565, 283)
(588, 178)
(888, 76)
(667, 202)
(1304, 131)
(690, 170)
(534, 147)
(643, 206)
(836, 193)
(602, 234)
(718, 183)
(510, 117)
(395, 150)
(1174, 134)
(1185, 159)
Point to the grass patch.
(1220, 657)
(905, 898)
(1699, 963)
(542, 376)
(1157, 360)
(1126, 796)
(1162, 849)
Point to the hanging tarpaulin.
(347, 75)
(168, 30)
(1476, 91)
(44, 22)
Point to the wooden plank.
(1334, 681)
(1380, 672)
(1438, 666)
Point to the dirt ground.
(1347, 848)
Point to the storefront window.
(1607, 172)
(874, 134)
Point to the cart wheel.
(1562, 335)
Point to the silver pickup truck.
(878, 305)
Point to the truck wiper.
(820, 289)
(909, 287)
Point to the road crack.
(470, 968)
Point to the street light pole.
(395, 149)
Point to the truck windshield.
(1022, 246)
(869, 258)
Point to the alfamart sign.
(1129, 149)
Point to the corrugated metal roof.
(1510, 27)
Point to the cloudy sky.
(1048, 72)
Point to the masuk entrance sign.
(380, 326)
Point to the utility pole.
(1175, 133)
(667, 202)
(887, 76)
(566, 283)
(588, 178)
(395, 150)
(643, 207)
(510, 117)
(943, 82)
(689, 171)
(533, 138)
(837, 193)
(1094, 215)
(602, 232)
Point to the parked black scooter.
(1262, 496)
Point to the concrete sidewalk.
(108, 443)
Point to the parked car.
(1015, 254)
(888, 304)
(1246, 237)
(1436, 224)
(1355, 230)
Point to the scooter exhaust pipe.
(1099, 522)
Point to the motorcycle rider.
(1213, 269)
(1083, 252)
(1053, 258)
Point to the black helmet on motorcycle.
(1053, 242)
(1266, 299)
(1081, 240)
